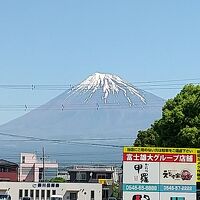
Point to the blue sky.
(62, 42)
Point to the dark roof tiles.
(7, 163)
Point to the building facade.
(44, 191)
(34, 170)
(104, 175)
(8, 171)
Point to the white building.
(43, 191)
(33, 170)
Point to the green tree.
(57, 180)
(115, 190)
(179, 125)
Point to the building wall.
(9, 174)
(28, 158)
(27, 172)
(17, 189)
(30, 168)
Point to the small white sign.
(177, 173)
(141, 173)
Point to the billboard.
(159, 173)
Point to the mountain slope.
(101, 112)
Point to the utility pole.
(43, 171)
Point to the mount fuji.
(87, 123)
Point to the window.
(101, 176)
(53, 192)
(48, 185)
(80, 176)
(73, 195)
(3, 169)
(23, 159)
(52, 185)
(37, 194)
(92, 194)
(20, 194)
(27, 170)
(26, 193)
(57, 185)
(41, 178)
(105, 194)
(32, 193)
(42, 194)
(48, 194)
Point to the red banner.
(153, 157)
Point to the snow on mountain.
(89, 119)
(109, 84)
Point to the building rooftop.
(7, 163)
(86, 168)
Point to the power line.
(61, 141)
(72, 140)
(71, 86)
(147, 87)
(32, 138)
(87, 107)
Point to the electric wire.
(61, 141)
(71, 86)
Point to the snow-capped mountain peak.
(109, 84)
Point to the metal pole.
(43, 171)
